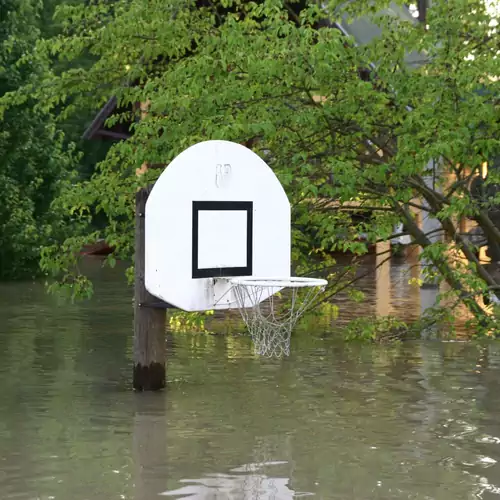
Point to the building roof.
(98, 129)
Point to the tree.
(337, 120)
(34, 162)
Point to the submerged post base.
(149, 378)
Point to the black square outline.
(225, 271)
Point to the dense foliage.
(34, 161)
(401, 122)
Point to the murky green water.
(417, 421)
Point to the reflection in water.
(418, 420)
(390, 289)
(244, 483)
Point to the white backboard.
(217, 210)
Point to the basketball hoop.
(225, 204)
(271, 329)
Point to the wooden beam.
(119, 136)
(100, 118)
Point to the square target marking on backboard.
(222, 238)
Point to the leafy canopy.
(338, 121)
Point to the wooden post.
(431, 226)
(149, 322)
(383, 289)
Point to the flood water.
(418, 420)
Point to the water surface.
(413, 421)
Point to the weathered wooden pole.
(149, 321)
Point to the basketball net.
(270, 322)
